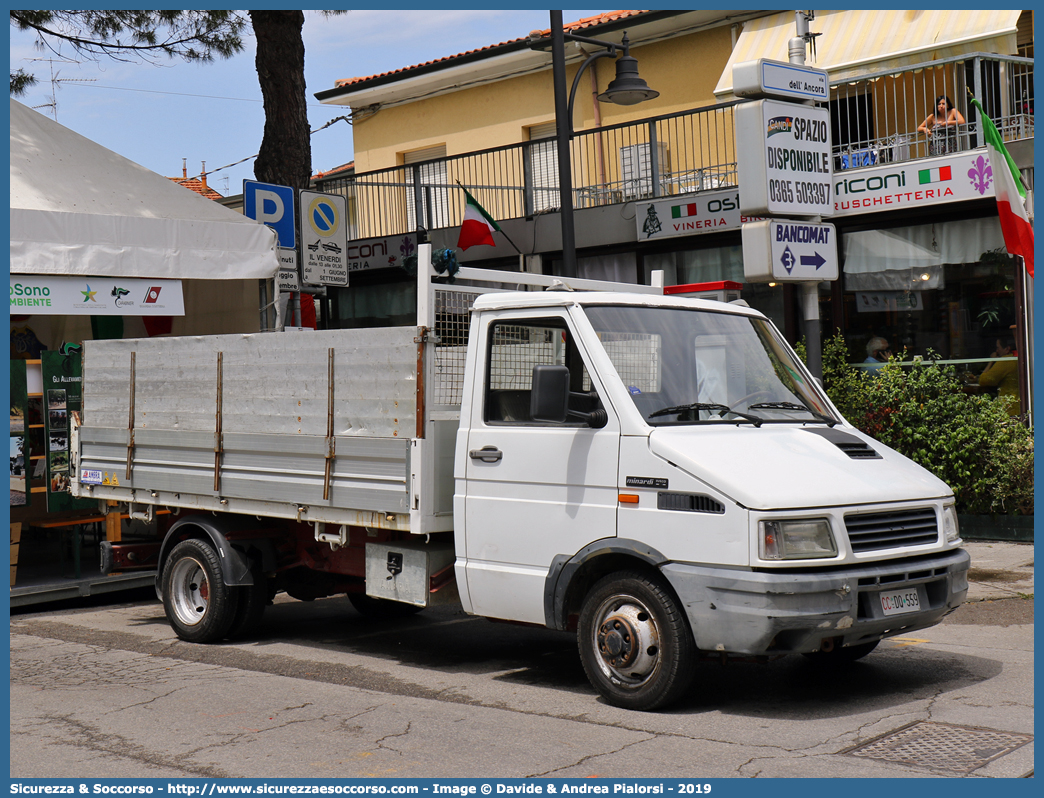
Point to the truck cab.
(643, 469)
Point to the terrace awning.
(856, 43)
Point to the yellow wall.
(684, 70)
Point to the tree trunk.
(285, 157)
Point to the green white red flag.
(1011, 194)
(478, 226)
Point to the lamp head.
(627, 88)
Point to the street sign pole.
(785, 163)
(300, 280)
(273, 205)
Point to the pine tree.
(285, 155)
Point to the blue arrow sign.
(814, 259)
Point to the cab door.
(534, 490)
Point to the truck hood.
(784, 466)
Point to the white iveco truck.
(661, 475)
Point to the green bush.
(967, 440)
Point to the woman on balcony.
(941, 127)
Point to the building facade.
(655, 185)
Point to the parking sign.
(324, 238)
(271, 205)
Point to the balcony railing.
(876, 118)
(873, 119)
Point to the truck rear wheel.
(199, 605)
(635, 642)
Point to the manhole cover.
(942, 746)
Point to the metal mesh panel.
(636, 358)
(516, 349)
(452, 323)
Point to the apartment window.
(428, 167)
(543, 167)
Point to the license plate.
(899, 602)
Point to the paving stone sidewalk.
(999, 570)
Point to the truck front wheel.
(635, 643)
(199, 605)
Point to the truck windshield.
(686, 366)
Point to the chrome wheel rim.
(626, 641)
(190, 591)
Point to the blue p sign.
(271, 205)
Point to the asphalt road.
(108, 691)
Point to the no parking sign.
(324, 238)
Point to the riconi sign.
(913, 185)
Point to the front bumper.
(761, 612)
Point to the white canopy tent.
(80, 209)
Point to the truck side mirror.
(549, 399)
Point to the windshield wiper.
(755, 420)
(793, 406)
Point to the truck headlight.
(807, 538)
(950, 525)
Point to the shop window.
(377, 298)
(945, 288)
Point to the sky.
(161, 116)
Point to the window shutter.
(433, 177)
(544, 166)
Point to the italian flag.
(1011, 194)
(477, 227)
(937, 175)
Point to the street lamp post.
(626, 89)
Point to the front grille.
(874, 531)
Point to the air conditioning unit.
(636, 168)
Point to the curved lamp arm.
(610, 53)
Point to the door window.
(515, 347)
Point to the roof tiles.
(581, 24)
(194, 184)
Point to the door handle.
(487, 454)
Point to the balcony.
(873, 120)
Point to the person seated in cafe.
(941, 127)
(1003, 374)
(877, 351)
